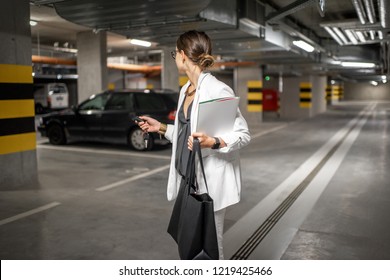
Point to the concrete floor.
(99, 201)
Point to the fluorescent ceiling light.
(140, 43)
(303, 45)
(33, 22)
(358, 64)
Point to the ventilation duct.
(251, 17)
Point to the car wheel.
(56, 135)
(136, 140)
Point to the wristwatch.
(216, 144)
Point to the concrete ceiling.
(266, 38)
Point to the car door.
(87, 122)
(117, 117)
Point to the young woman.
(220, 152)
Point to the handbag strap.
(197, 151)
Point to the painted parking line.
(268, 131)
(29, 213)
(104, 152)
(132, 179)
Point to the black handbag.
(192, 223)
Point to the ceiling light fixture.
(140, 43)
(358, 64)
(303, 45)
(33, 23)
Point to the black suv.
(107, 117)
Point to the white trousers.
(219, 221)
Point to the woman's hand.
(205, 141)
(149, 124)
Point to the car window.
(120, 101)
(58, 89)
(96, 103)
(150, 102)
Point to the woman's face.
(180, 57)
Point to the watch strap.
(216, 144)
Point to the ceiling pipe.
(53, 60)
(370, 11)
(360, 10)
(384, 7)
(334, 36)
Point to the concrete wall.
(366, 91)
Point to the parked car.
(51, 96)
(107, 117)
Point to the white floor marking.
(106, 152)
(29, 213)
(131, 179)
(268, 131)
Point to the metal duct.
(384, 7)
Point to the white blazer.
(222, 166)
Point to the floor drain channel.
(254, 240)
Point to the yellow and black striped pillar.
(305, 95)
(328, 94)
(255, 96)
(17, 126)
(337, 92)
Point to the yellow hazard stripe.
(11, 73)
(305, 85)
(255, 84)
(16, 108)
(182, 80)
(305, 95)
(255, 108)
(305, 105)
(255, 96)
(17, 143)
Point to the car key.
(146, 139)
(137, 119)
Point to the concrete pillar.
(248, 86)
(91, 63)
(169, 72)
(303, 97)
(319, 94)
(18, 161)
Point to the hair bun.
(206, 60)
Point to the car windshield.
(95, 103)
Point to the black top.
(182, 151)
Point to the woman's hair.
(197, 46)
